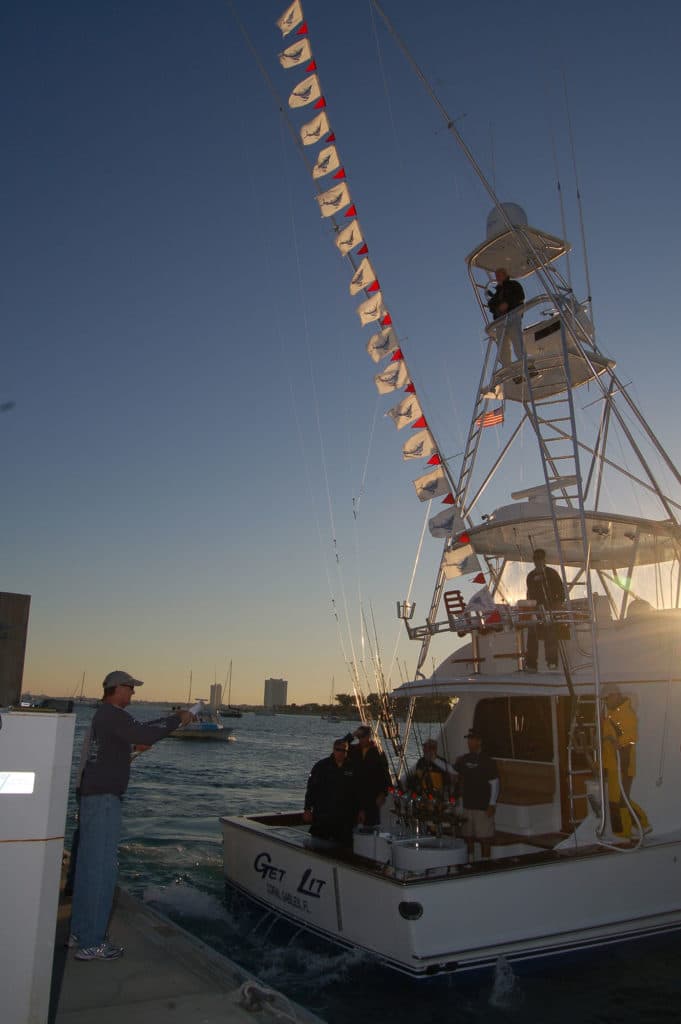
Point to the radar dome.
(496, 224)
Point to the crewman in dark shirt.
(479, 780)
(330, 798)
(544, 586)
(507, 296)
(372, 777)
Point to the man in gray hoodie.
(104, 776)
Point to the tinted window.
(516, 727)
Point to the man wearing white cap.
(104, 775)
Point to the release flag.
(394, 377)
(305, 92)
(327, 161)
(459, 562)
(431, 485)
(419, 446)
(382, 344)
(333, 200)
(313, 131)
(296, 54)
(371, 309)
(291, 18)
(491, 419)
(446, 523)
(350, 236)
(363, 276)
(405, 411)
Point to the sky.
(197, 468)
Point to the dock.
(165, 975)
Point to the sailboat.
(81, 698)
(227, 710)
(331, 717)
(587, 835)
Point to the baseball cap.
(120, 678)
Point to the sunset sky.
(197, 467)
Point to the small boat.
(208, 725)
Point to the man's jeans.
(96, 867)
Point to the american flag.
(491, 419)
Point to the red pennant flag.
(351, 211)
(340, 174)
(434, 460)
(363, 250)
(410, 389)
(320, 104)
(331, 137)
(396, 356)
(375, 287)
(302, 31)
(463, 538)
(480, 578)
(494, 616)
(387, 319)
(419, 423)
(449, 500)
(312, 66)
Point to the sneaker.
(105, 951)
(72, 941)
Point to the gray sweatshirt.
(105, 760)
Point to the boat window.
(516, 728)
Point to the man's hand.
(307, 817)
(185, 716)
(139, 748)
(491, 810)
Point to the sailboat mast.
(229, 684)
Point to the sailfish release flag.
(350, 236)
(305, 92)
(419, 446)
(291, 18)
(296, 53)
(392, 378)
(371, 309)
(382, 344)
(313, 131)
(431, 485)
(405, 411)
(363, 276)
(327, 161)
(333, 200)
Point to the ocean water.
(171, 857)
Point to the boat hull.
(521, 907)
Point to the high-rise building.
(215, 695)
(275, 693)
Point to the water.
(171, 857)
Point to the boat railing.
(498, 618)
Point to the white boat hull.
(520, 907)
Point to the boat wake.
(187, 901)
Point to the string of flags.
(383, 345)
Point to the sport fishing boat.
(587, 844)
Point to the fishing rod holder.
(405, 609)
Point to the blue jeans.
(96, 867)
